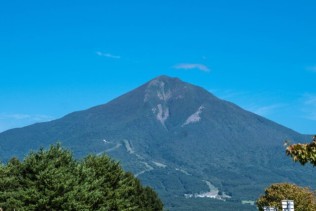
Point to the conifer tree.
(53, 180)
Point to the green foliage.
(304, 198)
(53, 180)
(303, 153)
(207, 204)
(233, 149)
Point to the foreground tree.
(303, 153)
(304, 198)
(53, 180)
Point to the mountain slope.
(178, 138)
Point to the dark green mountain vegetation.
(304, 198)
(53, 180)
(178, 139)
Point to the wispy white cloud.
(108, 55)
(310, 99)
(311, 68)
(264, 110)
(311, 116)
(230, 95)
(14, 116)
(309, 106)
(291, 110)
(266, 105)
(188, 66)
(35, 117)
(8, 121)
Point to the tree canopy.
(303, 153)
(304, 198)
(53, 180)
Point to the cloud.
(310, 99)
(309, 106)
(108, 55)
(8, 121)
(311, 116)
(261, 103)
(188, 66)
(264, 110)
(14, 116)
(231, 95)
(311, 68)
(37, 117)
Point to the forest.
(53, 180)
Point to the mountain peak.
(165, 78)
(163, 88)
(177, 137)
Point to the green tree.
(53, 180)
(303, 153)
(304, 198)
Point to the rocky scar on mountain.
(174, 137)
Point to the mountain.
(179, 139)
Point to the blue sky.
(62, 56)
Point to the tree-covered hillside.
(177, 138)
(53, 180)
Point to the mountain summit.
(179, 139)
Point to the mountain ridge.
(177, 138)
